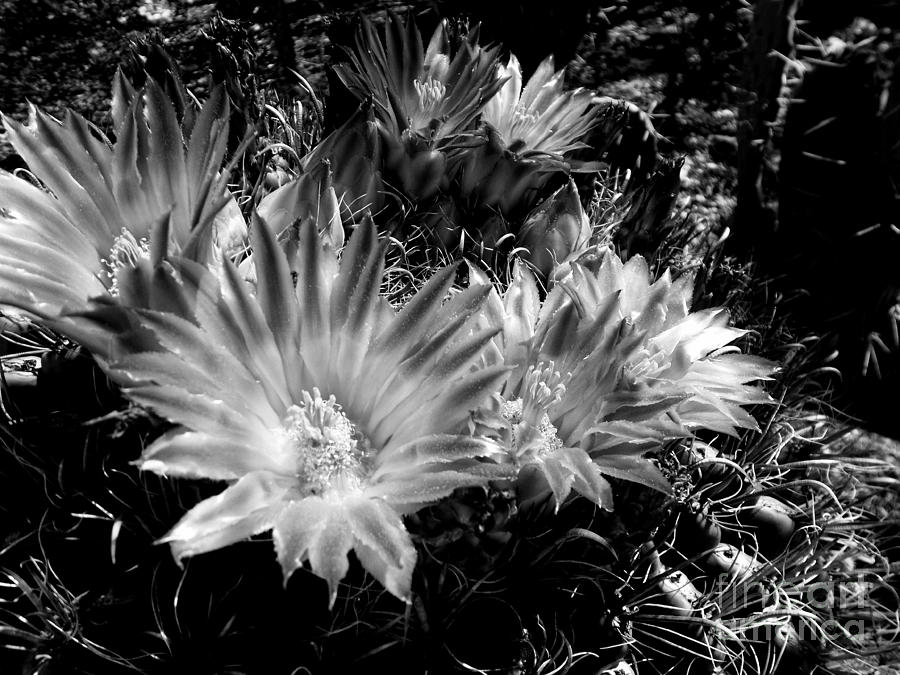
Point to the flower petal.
(328, 551)
(30, 213)
(445, 412)
(383, 544)
(522, 305)
(46, 158)
(200, 412)
(274, 293)
(166, 152)
(189, 454)
(397, 580)
(438, 448)
(419, 385)
(296, 527)
(410, 490)
(559, 477)
(248, 507)
(588, 479)
(634, 469)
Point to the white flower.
(108, 203)
(545, 118)
(330, 413)
(610, 366)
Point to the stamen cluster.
(327, 447)
(533, 434)
(431, 92)
(125, 253)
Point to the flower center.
(126, 252)
(431, 93)
(533, 434)
(329, 451)
(542, 388)
(523, 119)
(646, 365)
(529, 441)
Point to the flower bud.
(422, 173)
(328, 214)
(556, 229)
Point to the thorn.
(829, 160)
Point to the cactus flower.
(544, 119)
(329, 413)
(434, 92)
(424, 99)
(609, 367)
(531, 134)
(58, 250)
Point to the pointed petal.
(226, 377)
(248, 507)
(634, 469)
(243, 314)
(354, 301)
(588, 479)
(417, 316)
(30, 212)
(559, 477)
(328, 550)
(446, 412)
(396, 579)
(36, 147)
(295, 529)
(188, 454)
(166, 153)
(122, 96)
(439, 448)
(536, 82)
(386, 550)
(200, 412)
(275, 294)
(416, 488)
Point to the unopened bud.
(556, 229)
